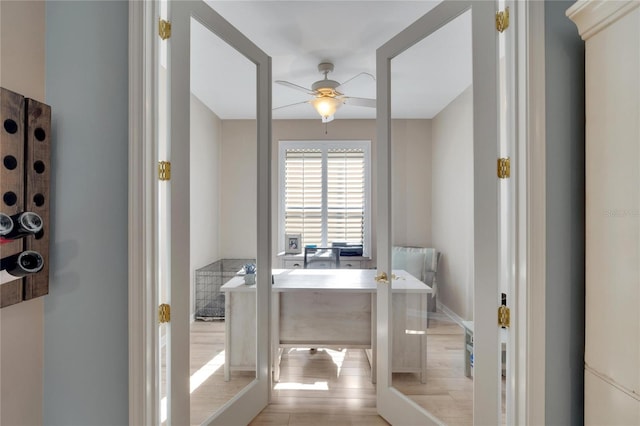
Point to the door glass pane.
(223, 194)
(433, 222)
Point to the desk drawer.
(293, 264)
(345, 263)
(350, 264)
(320, 264)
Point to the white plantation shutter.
(345, 195)
(324, 190)
(303, 194)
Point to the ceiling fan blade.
(285, 106)
(356, 76)
(365, 102)
(296, 87)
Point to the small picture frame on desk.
(292, 243)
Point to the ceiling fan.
(326, 95)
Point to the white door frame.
(527, 348)
(528, 387)
(143, 306)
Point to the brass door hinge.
(164, 170)
(164, 313)
(504, 168)
(164, 29)
(502, 20)
(504, 316)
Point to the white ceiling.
(298, 35)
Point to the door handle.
(382, 278)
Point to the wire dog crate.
(209, 279)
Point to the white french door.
(472, 197)
(196, 23)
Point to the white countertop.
(347, 280)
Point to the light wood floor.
(334, 387)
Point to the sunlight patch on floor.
(302, 386)
(337, 356)
(197, 379)
(206, 371)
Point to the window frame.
(324, 146)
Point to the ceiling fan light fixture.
(326, 105)
(327, 94)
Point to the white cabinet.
(292, 263)
(350, 263)
(611, 31)
(295, 261)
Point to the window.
(324, 191)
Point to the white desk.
(327, 308)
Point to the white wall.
(411, 182)
(206, 136)
(238, 168)
(22, 70)
(452, 203)
(413, 185)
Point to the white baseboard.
(448, 312)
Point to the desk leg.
(227, 336)
(423, 339)
(275, 335)
(467, 352)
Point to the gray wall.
(86, 343)
(565, 217)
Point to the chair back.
(421, 262)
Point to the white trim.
(531, 215)
(611, 382)
(487, 383)
(448, 312)
(515, 355)
(591, 16)
(143, 406)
